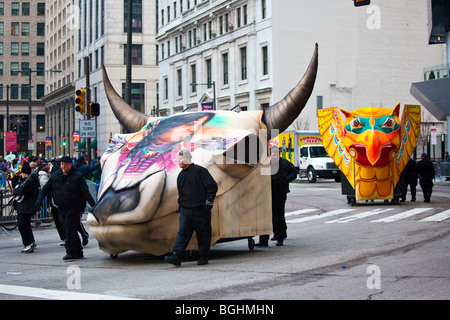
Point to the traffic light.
(64, 142)
(80, 100)
(95, 109)
(359, 3)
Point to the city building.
(251, 53)
(102, 37)
(22, 52)
(60, 43)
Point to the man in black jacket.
(425, 170)
(70, 193)
(283, 172)
(26, 193)
(196, 192)
(410, 173)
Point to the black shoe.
(202, 261)
(173, 259)
(279, 243)
(260, 244)
(85, 241)
(273, 239)
(68, 257)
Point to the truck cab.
(314, 162)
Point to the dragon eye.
(355, 123)
(389, 123)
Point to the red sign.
(11, 141)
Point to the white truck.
(315, 162)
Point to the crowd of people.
(62, 182)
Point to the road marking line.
(438, 217)
(319, 216)
(298, 212)
(359, 216)
(403, 215)
(54, 294)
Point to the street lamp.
(30, 131)
(208, 84)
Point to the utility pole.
(129, 52)
(88, 105)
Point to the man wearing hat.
(70, 193)
(425, 171)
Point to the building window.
(25, 48)
(40, 122)
(15, 8)
(14, 68)
(166, 88)
(208, 73)
(265, 61)
(319, 102)
(137, 96)
(2, 28)
(263, 9)
(1, 49)
(14, 91)
(41, 9)
(40, 29)
(25, 28)
(193, 78)
(14, 48)
(25, 8)
(24, 91)
(225, 68)
(40, 49)
(243, 63)
(245, 15)
(1, 90)
(136, 54)
(14, 28)
(136, 18)
(40, 67)
(1, 67)
(2, 8)
(238, 16)
(180, 83)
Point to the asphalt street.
(370, 251)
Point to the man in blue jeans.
(196, 192)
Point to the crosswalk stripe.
(438, 217)
(359, 216)
(298, 212)
(403, 215)
(320, 215)
(54, 294)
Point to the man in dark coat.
(196, 192)
(410, 173)
(425, 170)
(283, 172)
(70, 193)
(26, 193)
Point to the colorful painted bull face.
(371, 147)
(137, 208)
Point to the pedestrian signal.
(80, 100)
(359, 3)
(95, 109)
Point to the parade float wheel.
(251, 244)
(113, 256)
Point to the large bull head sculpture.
(137, 207)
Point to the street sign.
(11, 141)
(88, 128)
(433, 135)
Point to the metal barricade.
(8, 214)
(444, 169)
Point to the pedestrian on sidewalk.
(196, 192)
(26, 193)
(70, 192)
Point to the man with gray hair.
(196, 192)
